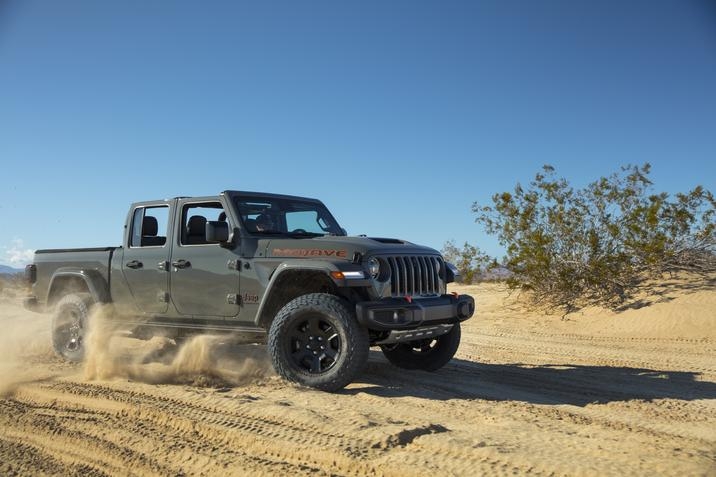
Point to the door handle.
(181, 263)
(135, 264)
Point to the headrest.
(196, 225)
(149, 226)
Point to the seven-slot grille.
(414, 274)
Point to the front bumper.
(405, 314)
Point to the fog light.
(465, 310)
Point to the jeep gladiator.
(276, 268)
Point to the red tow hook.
(455, 294)
(409, 298)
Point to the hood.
(341, 247)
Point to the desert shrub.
(572, 247)
(470, 261)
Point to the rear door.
(204, 276)
(146, 256)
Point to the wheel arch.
(66, 280)
(289, 282)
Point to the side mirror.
(217, 232)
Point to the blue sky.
(398, 115)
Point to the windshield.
(280, 216)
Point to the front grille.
(412, 275)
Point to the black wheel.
(69, 326)
(315, 340)
(429, 354)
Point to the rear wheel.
(315, 340)
(69, 326)
(429, 354)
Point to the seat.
(196, 230)
(150, 228)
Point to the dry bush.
(469, 260)
(572, 247)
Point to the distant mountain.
(497, 273)
(5, 270)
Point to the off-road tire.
(305, 325)
(69, 326)
(429, 354)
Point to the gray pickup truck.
(276, 268)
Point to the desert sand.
(592, 393)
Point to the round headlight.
(373, 267)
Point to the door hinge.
(233, 299)
(163, 297)
(234, 264)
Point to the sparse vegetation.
(469, 260)
(572, 247)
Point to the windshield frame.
(250, 205)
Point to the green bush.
(573, 247)
(470, 261)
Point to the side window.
(194, 219)
(149, 226)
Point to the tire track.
(112, 447)
(576, 349)
(19, 456)
(230, 426)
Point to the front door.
(204, 276)
(145, 259)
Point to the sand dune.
(595, 393)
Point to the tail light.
(31, 274)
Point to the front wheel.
(69, 326)
(429, 354)
(315, 340)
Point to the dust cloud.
(24, 343)
(26, 354)
(202, 360)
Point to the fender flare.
(325, 267)
(96, 284)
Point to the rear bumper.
(401, 314)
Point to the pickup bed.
(273, 267)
